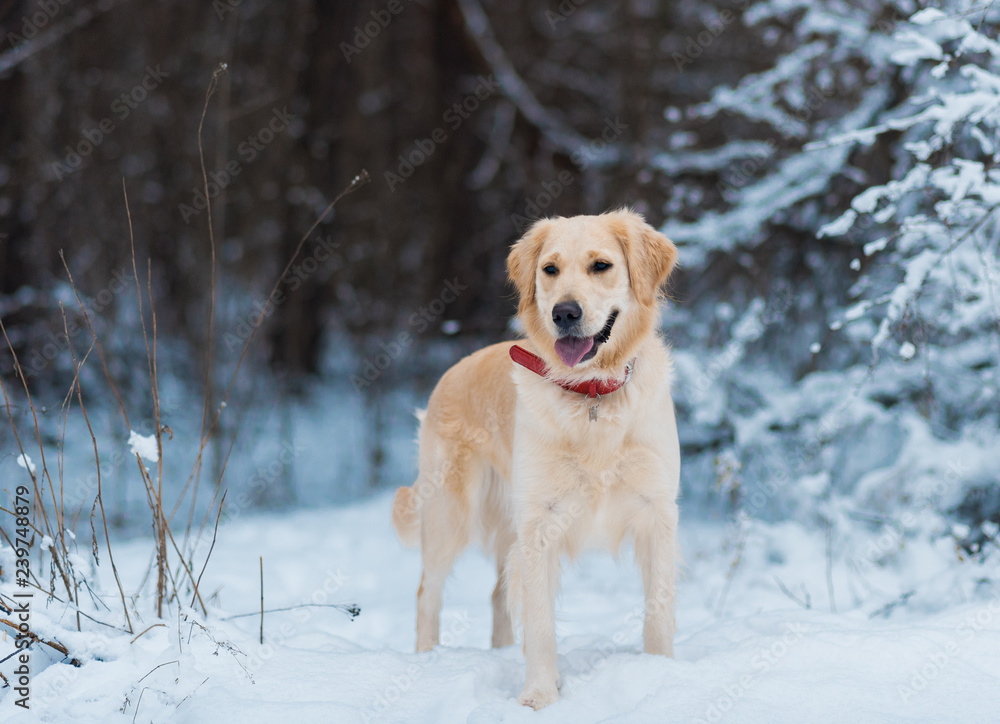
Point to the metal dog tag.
(593, 410)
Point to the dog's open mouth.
(574, 350)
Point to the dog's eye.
(550, 269)
(600, 266)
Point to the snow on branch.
(950, 189)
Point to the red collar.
(591, 388)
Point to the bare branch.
(561, 136)
(16, 56)
(807, 604)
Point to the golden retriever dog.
(564, 440)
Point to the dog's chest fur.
(590, 478)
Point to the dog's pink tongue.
(572, 349)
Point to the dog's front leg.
(539, 576)
(656, 553)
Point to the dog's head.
(589, 287)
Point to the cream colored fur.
(511, 461)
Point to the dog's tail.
(406, 516)
(406, 504)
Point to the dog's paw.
(660, 648)
(538, 697)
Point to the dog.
(563, 440)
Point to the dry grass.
(176, 582)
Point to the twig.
(210, 332)
(193, 691)
(101, 356)
(215, 534)
(232, 648)
(357, 182)
(97, 344)
(262, 600)
(139, 702)
(807, 604)
(732, 572)
(154, 388)
(927, 275)
(38, 639)
(161, 544)
(218, 488)
(892, 605)
(829, 566)
(158, 666)
(76, 609)
(351, 609)
(147, 630)
(39, 499)
(170, 537)
(97, 463)
(985, 13)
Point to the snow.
(749, 653)
(24, 461)
(859, 578)
(144, 446)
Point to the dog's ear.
(522, 260)
(650, 255)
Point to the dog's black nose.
(566, 314)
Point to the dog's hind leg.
(503, 630)
(444, 533)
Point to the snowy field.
(837, 360)
(751, 653)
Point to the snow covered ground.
(751, 654)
